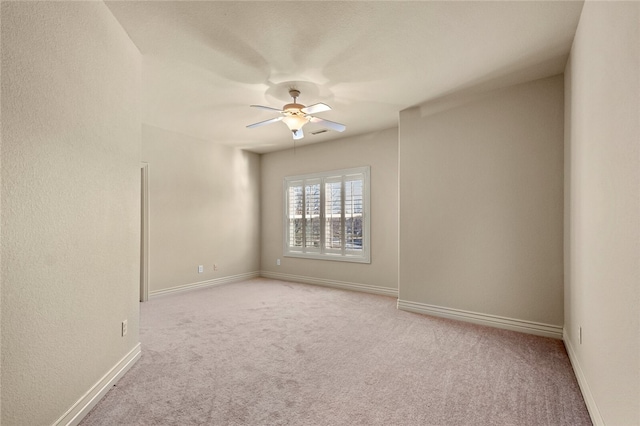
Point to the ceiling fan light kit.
(296, 115)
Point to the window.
(327, 215)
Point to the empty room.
(320, 213)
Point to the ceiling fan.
(296, 115)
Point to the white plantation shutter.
(312, 215)
(326, 215)
(353, 186)
(333, 238)
(295, 197)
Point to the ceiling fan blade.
(298, 134)
(265, 107)
(329, 124)
(262, 123)
(312, 109)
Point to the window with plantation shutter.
(326, 215)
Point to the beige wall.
(602, 228)
(70, 203)
(481, 192)
(204, 209)
(1, 275)
(378, 150)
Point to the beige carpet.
(267, 352)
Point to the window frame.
(322, 252)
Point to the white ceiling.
(205, 62)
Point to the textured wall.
(602, 198)
(378, 150)
(70, 203)
(204, 209)
(481, 204)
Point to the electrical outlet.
(124, 328)
(278, 262)
(200, 269)
(215, 267)
(580, 335)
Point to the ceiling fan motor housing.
(293, 109)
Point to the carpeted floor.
(267, 352)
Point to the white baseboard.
(81, 408)
(522, 326)
(590, 402)
(207, 283)
(331, 283)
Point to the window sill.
(330, 257)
